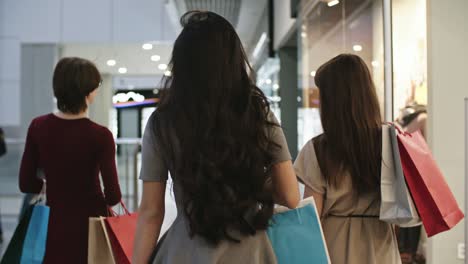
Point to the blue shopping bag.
(296, 236)
(36, 237)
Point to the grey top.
(253, 249)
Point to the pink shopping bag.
(434, 200)
(121, 229)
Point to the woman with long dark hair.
(341, 167)
(72, 153)
(228, 158)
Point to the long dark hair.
(219, 120)
(351, 120)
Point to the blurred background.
(416, 50)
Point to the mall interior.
(415, 49)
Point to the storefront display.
(369, 29)
(409, 54)
(132, 109)
(328, 28)
(268, 82)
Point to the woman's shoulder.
(160, 122)
(101, 130)
(313, 142)
(153, 121)
(41, 121)
(101, 135)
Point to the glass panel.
(327, 30)
(268, 81)
(409, 54)
(410, 82)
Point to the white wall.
(70, 21)
(9, 81)
(284, 25)
(100, 110)
(89, 21)
(447, 58)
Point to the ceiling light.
(312, 73)
(111, 63)
(375, 63)
(275, 86)
(147, 46)
(333, 3)
(162, 67)
(357, 47)
(168, 73)
(155, 58)
(122, 70)
(268, 81)
(303, 34)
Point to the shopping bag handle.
(398, 128)
(112, 212)
(40, 198)
(44, 188)
(124, 207)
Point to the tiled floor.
(8, 226)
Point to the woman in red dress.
(71, 151)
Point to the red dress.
(71, 153)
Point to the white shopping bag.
(397, 206)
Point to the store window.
(327, 29)
(409, 55)
(268, 82)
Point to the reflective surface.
(351, 26)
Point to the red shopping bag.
(434, 200)
(121, 229)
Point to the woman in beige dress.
(341, 167)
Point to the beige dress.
(350, 240)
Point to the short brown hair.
(74, 79)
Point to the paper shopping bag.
(297, 237)
(121, 230)
(397, 205)
(36, 237)
(15, 247)
(99, 245)
(434, 200)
